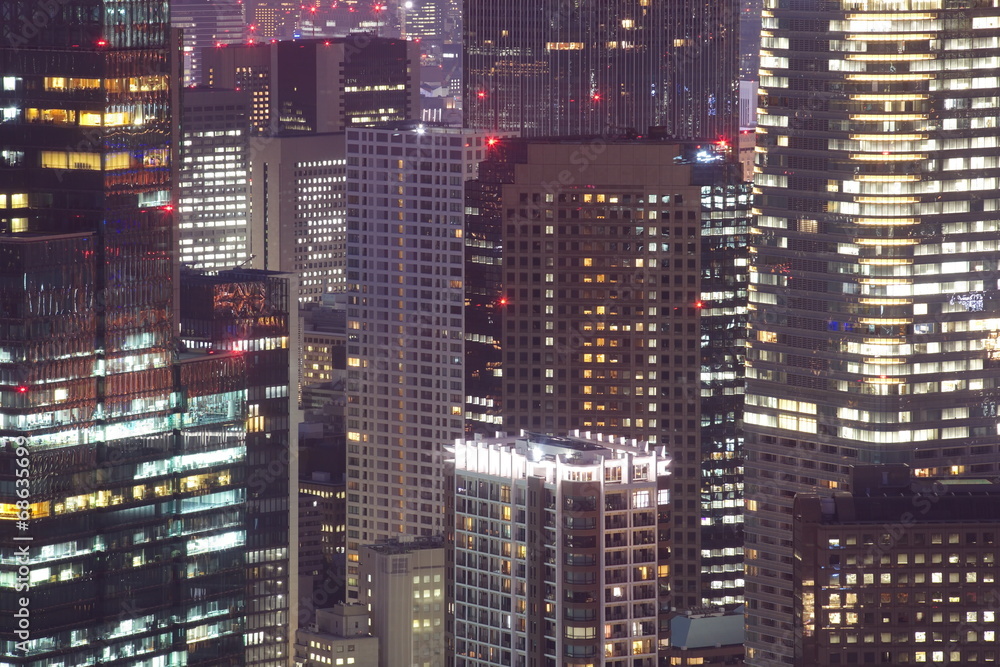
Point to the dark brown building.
(618, 308)
(898, 572)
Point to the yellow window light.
(887, 97)
(886, 156)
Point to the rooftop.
(397, 547)
(713, 630)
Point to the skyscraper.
(619, 305)
(130, 532)
(307, 86)
(561, 551)
(554, 68)
(247, 313)
(874, 287)
(206, 24)
(900, 571)
(213, 187)
(403, 586)
(406, 297)
(304, 94)
(297, 219)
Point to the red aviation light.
(492, 141)
(22, 389)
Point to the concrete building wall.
(297, 222)
(405, 352)
(404, 585)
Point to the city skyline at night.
(617, 333)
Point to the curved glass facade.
(874, 291)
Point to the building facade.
(607, 287)
(324, 347)
(561, 552)
(213, 188)
(403, 584)
(247, 313)
(873, 318)
(126, 543)
(341, 636)
(901, 572)
(553, 69)
(324, 500)
(207, 24)
(297, 211)
(308, 86)
(406, 296)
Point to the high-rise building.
(423, 19)
(311, 86)
(274, 19)
(707, 638)
(403, 584)
(125, 544)
(750, 19)
(873, 326)
(405, 353)
(249, 313)
(206, 24)
(898, 572)
(297, 210)
(561, 552)
(304, 94)
(607, 288)
(213, 189)
(324, 345)
(322, 527)
(319, 19)
(553, 68)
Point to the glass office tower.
(554, 68)
(246, 312)
(121, 466)
(874, 318)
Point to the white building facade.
(406, 295)
(561, 552)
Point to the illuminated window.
(64, 160)
(113, 161)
